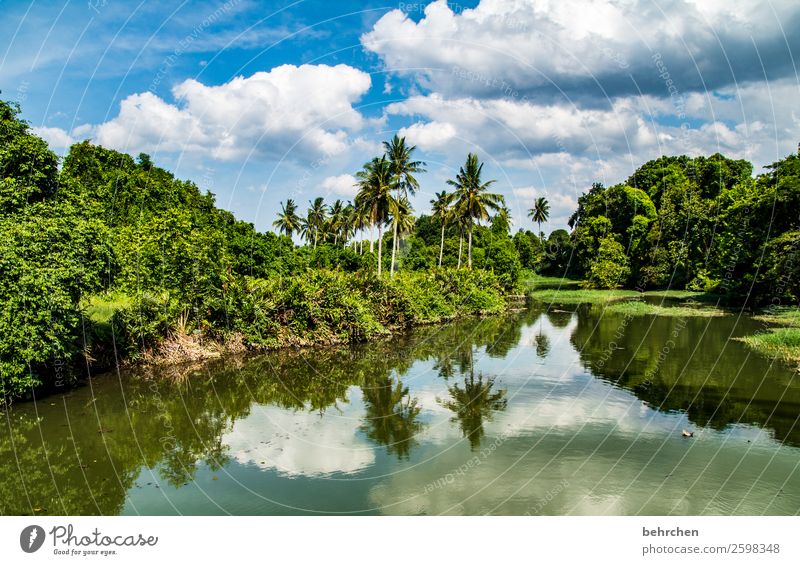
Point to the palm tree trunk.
(460, 246)
(441, 246)
(380, 248)
(394, 246)
(469, 248)
(371, 227)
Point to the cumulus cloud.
(574, 48)
(289, 112)
(56, 138)
(344, 185)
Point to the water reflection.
(320, 430)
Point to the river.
(559, 410)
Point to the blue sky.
(261, 101)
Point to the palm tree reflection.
(474, 404)
(392, 414)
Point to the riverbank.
(781, 334)
(779, 337)
(316, 309)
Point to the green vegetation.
(638, 308)
(539, 282)
(110, 257)
(583, 296)
(781, 342)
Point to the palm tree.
(375, 183)
(288, 221)
(336, 220)
(473, 202)
(403, 170)
(359, 220)
(540, 212)
(315, 219)
(442, 212)
(402, 219)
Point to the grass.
(101, 307)
(781, 342)
(675, 293)
(582, 296)
(540, 282)
(782, 316)
(636, 308)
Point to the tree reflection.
(474, 404)
(391, 415)
(542, 342)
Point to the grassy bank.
(783, 341)
(638, 308)
(319, 307)
(580, 296)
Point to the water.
(567, 411)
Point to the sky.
(263, 101)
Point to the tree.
(375, 182)
(442, 211)
(288, 221)
(473, 202)
(609, 268)
(403, 170)
(540, 212)
(337, 221)
(315, 219)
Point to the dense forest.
(104, 257)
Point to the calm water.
(566, 411)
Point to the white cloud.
(519, 47)
(340, 184)
(56, 138)
(290, 112)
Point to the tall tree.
(288, 221)
(442, 211)
(315, 219)
(337, 221)
(473, 201)
(375, 183)
(540, 213)
(403, 169)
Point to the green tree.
(540, 212)
(288, 221)
(376, 182)
(442, 211)
(403, 169)
(473, 201)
